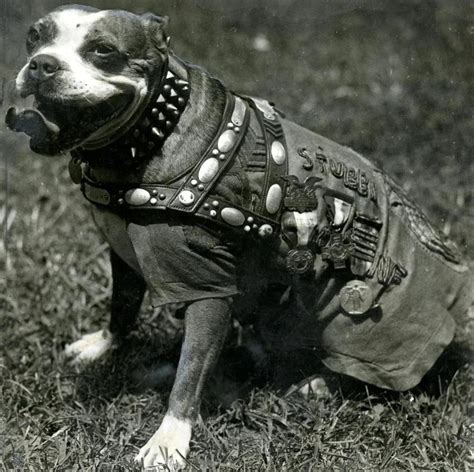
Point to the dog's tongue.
(43, 132)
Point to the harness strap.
(216, 159)
(194, 195)
(276, 161)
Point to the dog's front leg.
(206, 326)
(128, 289)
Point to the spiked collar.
(146, 137)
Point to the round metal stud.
(186, 197)
(230, 125)
(215, 152)
(247, 228)
(194, 182)
(273, 200)
(120, 201)
(356, 298)
(213, 213)
(221, 157)
(153, 201)
(162, 196)
(278, 153)
(250, 219)
(237, 129)
(226, 141)
(215, 203)
(137, 196)
(154, 192)
(201, 187)
(232, 216)
(154, 112)
(265, 231)
(206, 206)
(208, 169)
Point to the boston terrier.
(215, 201)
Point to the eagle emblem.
(301, 196)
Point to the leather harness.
(194, 196)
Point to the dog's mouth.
(56, 126)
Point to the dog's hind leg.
(206, 326)
(128, 289)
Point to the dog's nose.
(42, 67)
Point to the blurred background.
(390, 78)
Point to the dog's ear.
(156, 30)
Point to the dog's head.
(91, 72)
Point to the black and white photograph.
(236, 235)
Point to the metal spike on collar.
(158, 133)
(158, 121)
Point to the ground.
(390, 79)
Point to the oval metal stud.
(208, 170)
(238, 114)
(137, 196)
(186, 197)
(273, 200)
(278, 153)
(233, 216)
(226, 141)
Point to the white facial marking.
(79, 80)
(168, 445)
(90, 347)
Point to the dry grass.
(394, 84)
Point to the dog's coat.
(317, 248)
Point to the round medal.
(356, 298)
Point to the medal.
(299, 261)
(356, 298)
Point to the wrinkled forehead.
(72, 27)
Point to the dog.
(215, 201)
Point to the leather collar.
(147, 135)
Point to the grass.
(390, 79)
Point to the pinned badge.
(356, 298)
(301, 196)
(299, 261)
(337, 250)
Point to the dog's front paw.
(90, 347)
(168, 446)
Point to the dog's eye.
(33, 36)
(103, 50)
